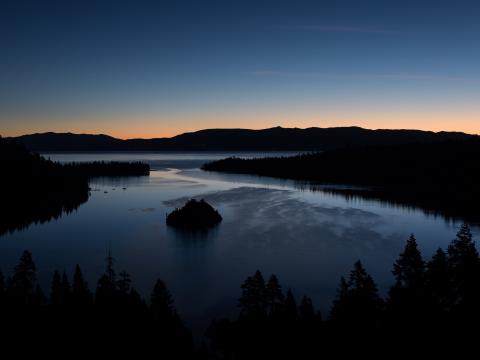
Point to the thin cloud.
(420, 77)
(341, 29)
(392, 76)
(427, 77)
(290, 74)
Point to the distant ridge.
(272, 139)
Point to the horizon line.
(233, 128)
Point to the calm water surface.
(308, 239)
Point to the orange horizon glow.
(147, 127)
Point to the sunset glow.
(176, 68)
(156, 127)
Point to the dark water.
(309, 239)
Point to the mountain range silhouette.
(273, 139)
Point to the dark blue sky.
(153, 68)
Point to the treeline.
(438, 177)
(34, 189)
(109, 168)
(114, 317)
(433, 305)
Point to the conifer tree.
(357, 302)
(161, 301)
(340, 303)
(407, 301)
(306, 310)
(438, 282)
(23, 281)
(275, 297)
(464, 268)
(81, 295)
(409, 269)
(291, 311)
(253, 302)
(56, 292)
(66, 289)
(106, 292)
(124, 282)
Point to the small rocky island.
(195, 214)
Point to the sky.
(159, 68)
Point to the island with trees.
(195, 214)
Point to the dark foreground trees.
(115, 319)
(432, 306)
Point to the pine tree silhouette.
(21, 289)
(464, 267)
(66, 289)
(56, 292)
(438, 283)
(253, 302)
(124, 282)
(407, 301)
(306, 310)
(409, 269)
(291, 311)
(357, 303)
(275, 297)
(106, 292)
(161, 301)
(81, 295)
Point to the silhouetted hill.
(67, 141)
(274, 139)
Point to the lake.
(307, 238)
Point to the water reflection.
(308, 238)
(19, 213)
(199, 238)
